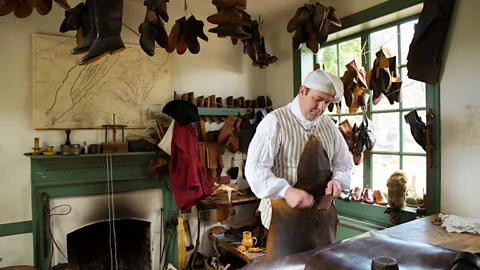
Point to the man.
(281, 138)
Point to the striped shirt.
(275, 150)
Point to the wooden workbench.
(422, 230)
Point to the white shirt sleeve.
(261, 154)
(342, 162)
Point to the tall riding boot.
(108, 19)
(92, 33)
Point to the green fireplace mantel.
(65, 176)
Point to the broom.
(182, 250)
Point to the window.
(395, 147)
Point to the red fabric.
(189, 181)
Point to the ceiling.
(271, 9)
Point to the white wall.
(220, 68)
(459, 88)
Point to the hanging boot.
(23, 9)
(108, 18)
(92, 34)
(43, 6)
(147, 38)
(8, 7)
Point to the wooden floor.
(422, 230)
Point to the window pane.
(383, 167)
(416, 171)
(357, 176)
(413, 92)
(386, 38)
(307, 63)
(327, 57)
(350, 50)
(409, 143)
(407, 30)
(387, 132)
(384, 104)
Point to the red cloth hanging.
(189, 181)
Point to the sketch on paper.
(66, 95)
(471, 127)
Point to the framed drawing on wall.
(128, 84)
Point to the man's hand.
(297, 198)
(333, 186)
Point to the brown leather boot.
(213, 104)
(43, 6)
(206, 104)
(200, 103)
(190, 97)
(230, 102)
(23, 9)
(227, 129)
(225, 15)
(238, 4)
(174, 33)
(230, 30)
(292, 23)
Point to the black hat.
(182, 111)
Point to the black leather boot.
(147, 38)
(92, 33)
(108, 20)
(417, 128)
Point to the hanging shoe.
(230, 30)
(333, 18)
(147, 38)
(92, 34)
(108, 18)
(292, 23)
(43, 6)
(226, 15)
(8, 7)
(160, 8)
(238, 4)
(23, 9)
(155, 23)
(174, 34)
(417, 128)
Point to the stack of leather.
(184, 35)
(355, 88)
(384, 78)
(229, 19)
(254, 46)
(23, 9)
(310, 24)
(152, 29)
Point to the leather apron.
(297, 230)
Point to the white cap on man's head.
(323, 81)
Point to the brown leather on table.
(358, 253)
(294, 230)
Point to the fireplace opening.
(89, 248)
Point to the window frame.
(432, 105)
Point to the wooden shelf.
(221, 111)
